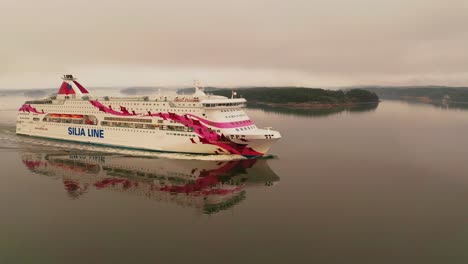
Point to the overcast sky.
(317, 43)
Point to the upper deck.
(72, 91)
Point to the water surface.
(385, 184)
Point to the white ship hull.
(132, 138)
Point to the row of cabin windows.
(241, 122)
(179, 104)
(177, 134)
(136, 104)
(149, 104)
(131, 109)
(147, 126)
(126, 103)
(246, 128)
(226, 104)
(132, 130)
(127, 119)
(237, 136)
(117, 107)
(234, 116)
(229, 110)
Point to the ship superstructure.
(198, 123)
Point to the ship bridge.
(223, 103)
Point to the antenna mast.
(198, 89)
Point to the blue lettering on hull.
(90, 132)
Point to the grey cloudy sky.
(244, 42)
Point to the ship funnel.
(70, 88)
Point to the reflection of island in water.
(317, 112)
(438, 104)
(211, 186)
(451, 105)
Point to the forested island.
(33, 93)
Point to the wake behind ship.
(198, 123)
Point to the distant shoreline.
(310, 105)
(429, 95)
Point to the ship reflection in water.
(210, 186)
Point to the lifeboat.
(65, 115)
(76, 116)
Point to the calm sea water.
(379, 185)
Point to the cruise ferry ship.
(199, 124)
